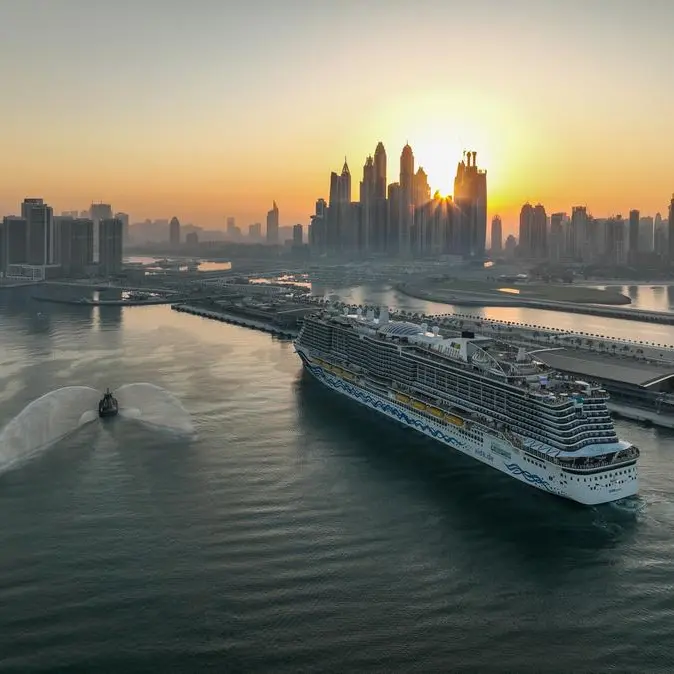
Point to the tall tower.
(579, 233)
(272, 225)
(124, 217)
(110, 242)
(670, 229)
(406, 200)
(470, 197)
(634, 234)
(99, 212)
(345, 184)
(368, 188)
(496, 235)
(557, 239)
(39, 230)
(380, 171)
(174, 232)
(526, 230)
(406, 169)
(539, 238)
(421, 236)
(380, 225)
(421, 192)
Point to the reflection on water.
(649, 298)
(157, 264)
(298, 528)
(378, 294)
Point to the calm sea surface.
(298, 532)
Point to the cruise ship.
(481, 396)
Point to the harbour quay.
(278, 317)
(640, 390)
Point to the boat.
(478, 395)
(107, 406)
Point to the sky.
(214, 108)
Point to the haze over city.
(206, 109)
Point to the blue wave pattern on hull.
(376, 403)
(529, 477)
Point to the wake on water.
(58, 414)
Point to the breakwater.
(286, 333)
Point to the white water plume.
(45, 421)
(155, 406)
(59, 413)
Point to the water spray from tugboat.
(60, 413)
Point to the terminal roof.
(616, 368)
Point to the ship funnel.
(424, 328)
(370, 314)
(359, 312)
(383, 316)
(436, 330)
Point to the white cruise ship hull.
(481, 444)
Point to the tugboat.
(107, 406)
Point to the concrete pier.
(286, 333)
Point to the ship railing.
(592, 466)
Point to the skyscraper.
(646, 232)
(539, 232)
(470, 197)
(98, 212)
(110, 246)
(422, 212)
(670, 229)
(40, 231)
(616, 248)
(124, 217)
(406, 200)
(578, 233)
(526, 230)
(496, 235)
(255, 231)
(63, 234)
(557, 242)
(272, 225)
(393, 202)
(297, 235)
(380, 171)
(82, 245)
(660, 237)
(174, 232)
(318, 228)
(14, 242)
(368, 186)
(345, 184)
(380, 208)
(634, 233)
(74, 244)
(342, 225)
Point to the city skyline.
(575, 114)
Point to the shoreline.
(462, 298)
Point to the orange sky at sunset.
(214, 112)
